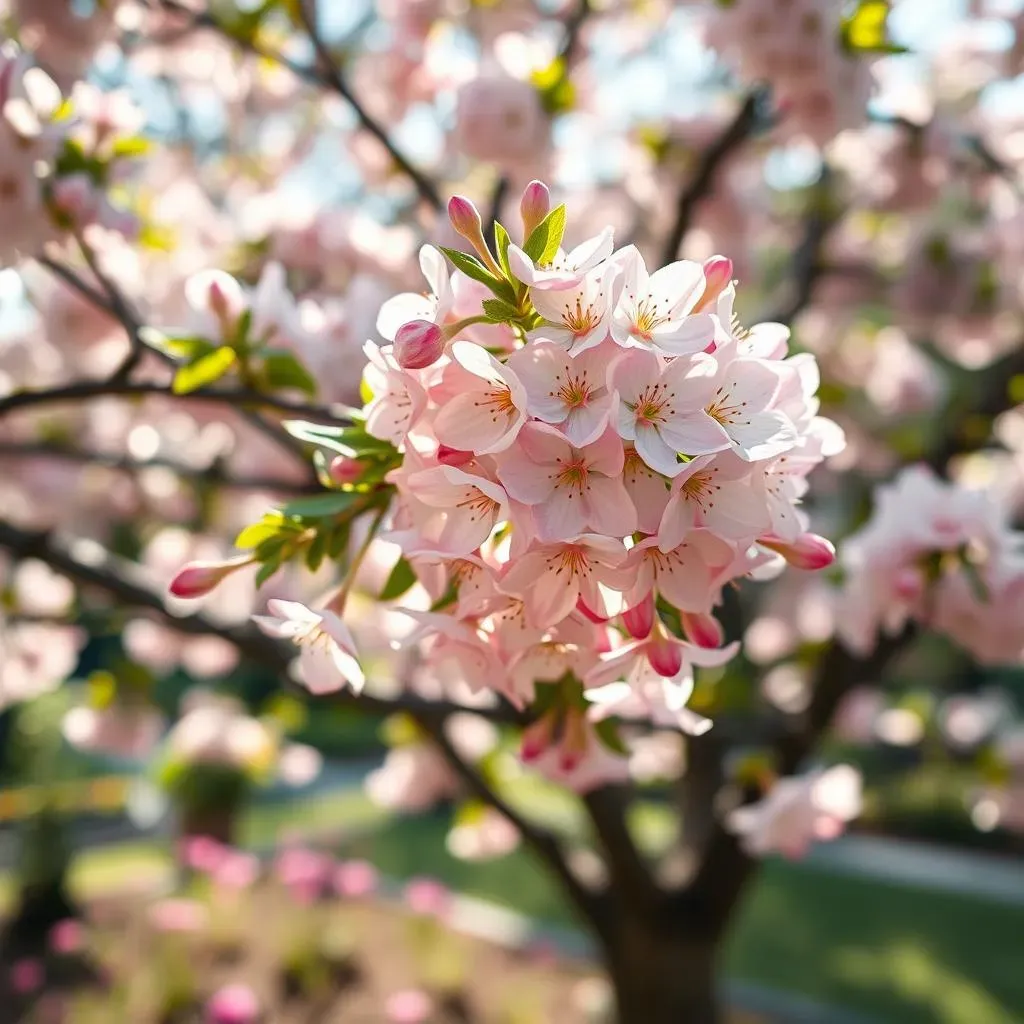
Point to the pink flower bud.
(808, 551)
(664, 656)
(453, 456)
(909, 583)
(717, 275)
(639, 619)
(76, 197)
(703, 630)
(233, 1004)
(197, 579)
(429, 897)
(65, 936)
(355, 878)
(345, 470)
(574, 743)
(465, 218)
(536, 738)
(418, 343)
(26, 976)
(410, 1006)
(534, 205)
(588, 612)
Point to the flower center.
(700, 489)
(574, 475)
(571, 560)
(575, 392)
(645, 319)
(651, 404)
(725, 409)
(498, 399)
(580, 319)
(479, 504)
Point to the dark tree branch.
(631, 877)
(702, 182)
(336, 80)
(573, 26)
(241, 397)
(211, 475)
(590, 904)
(807, 266)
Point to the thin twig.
(540, 840)
(702, 183)
(212, 475)
(84, 390)
(336, 80)
(573, 26)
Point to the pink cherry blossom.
(398, 399)
(799, 811)
(472, 505)
(570, 392)
(661, 408)
(488, 405)
(410, 306)
(689, 575)
(571, 490)
(566, 270)
(578, 316)
(655, 311)
(327, 652)
(719, 492)
(550, 578)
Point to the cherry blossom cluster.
(587, 458)
(796, 46)
(941, 555)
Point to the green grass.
(893, 953)
(900, 955)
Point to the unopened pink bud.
(534, 206)
(589, 613)
(909, 583)
(703, 630)
(536, 738)
(465, 218)
(233, 1004)
(664, 656)
(220, 304)
(639, 619)
(717, 275)
(65, 936)
(26, 976)
(453, 456)
(418, 343)
(574, 741)
(197, 579)
(345, 470)
(808, 551)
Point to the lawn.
(894, 953)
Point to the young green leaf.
(399, 581)
(501, 243)
(500, 312)
(320, 505)
(546, 237)
(282, 370)
(472, 267)
(204, 371)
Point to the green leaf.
(447, 599)
(865, 31)
(352, 441)
(320, 505)
(204, 370)
(282, 369)
(188, 347)
(316, 552)
(499, 311)
(553, 228)
(256, 533)
(607, 732)
(266, 571)
(131, 146)
(401, 579)
(338, 539)
(472, 267)
(501, 243)
(240, 338)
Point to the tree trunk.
(663, 976)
